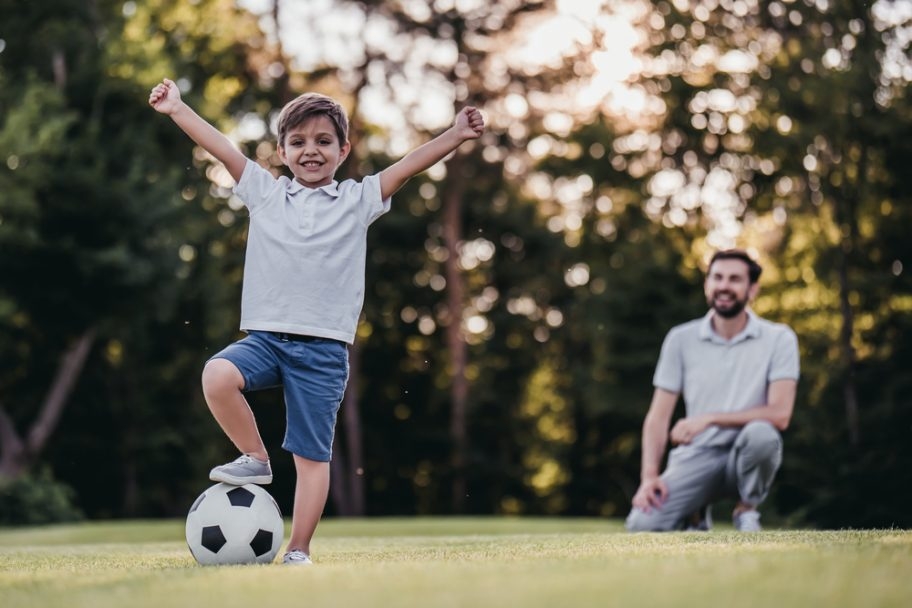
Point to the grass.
(455, 562)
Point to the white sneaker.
(245, 469)
(296, 557)
(747, 521)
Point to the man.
(738, 374)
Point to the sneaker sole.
(261, 480)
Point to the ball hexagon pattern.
(234, 525)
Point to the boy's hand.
(165, 97)
(469, 123)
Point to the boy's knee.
(219, 375)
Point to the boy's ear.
(281, 151)
(344, 151)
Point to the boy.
(303, 286)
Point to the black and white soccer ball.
(234, 525)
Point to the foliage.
(37, 499)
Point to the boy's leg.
(311, 491)
(247, 365)
(693, 477)
(222, 386)
(315, 372)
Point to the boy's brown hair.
(306, 106)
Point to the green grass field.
(462, 562)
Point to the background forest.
(517, 294)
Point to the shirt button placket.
(306, 216)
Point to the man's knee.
(760, 437)
(654, 521)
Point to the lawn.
(456, 562)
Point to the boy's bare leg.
(222, 385)
(311, 491)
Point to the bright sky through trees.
(325, 32)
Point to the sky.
(339, 41)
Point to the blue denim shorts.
(313, 373)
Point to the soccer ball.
(234, 525)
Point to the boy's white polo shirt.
(718, 375)
(306, 252)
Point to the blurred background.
(517, 293)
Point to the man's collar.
(751, 329)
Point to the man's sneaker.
(296, 557)
(245, 469)
(701, 521)
(747, 521)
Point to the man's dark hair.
(754, 270)
(299, 110)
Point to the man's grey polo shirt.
(306, 250)
(718, 375)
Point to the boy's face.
(313, 152)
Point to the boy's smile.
(313, 152)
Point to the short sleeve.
(669, 373)
(255, 185)
(785, 362)
(374, 206)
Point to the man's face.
(728, 288)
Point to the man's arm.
(469, 124)
(165, 98)
(778, 412)
(653, 491)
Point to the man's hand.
(469, 123)
(165, 97)
(686, 429)
(652, 493)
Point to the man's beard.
(731, 310)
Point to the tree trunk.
(282, 82)
(455, 341)
(849, 389)
(347, 466)
(851, 196)
(59, 68)
(845, 205)
(17, 454)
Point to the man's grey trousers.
(699, 476)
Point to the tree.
(95, 216)
(474, 65)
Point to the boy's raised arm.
(165, 98)
(469, 124)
